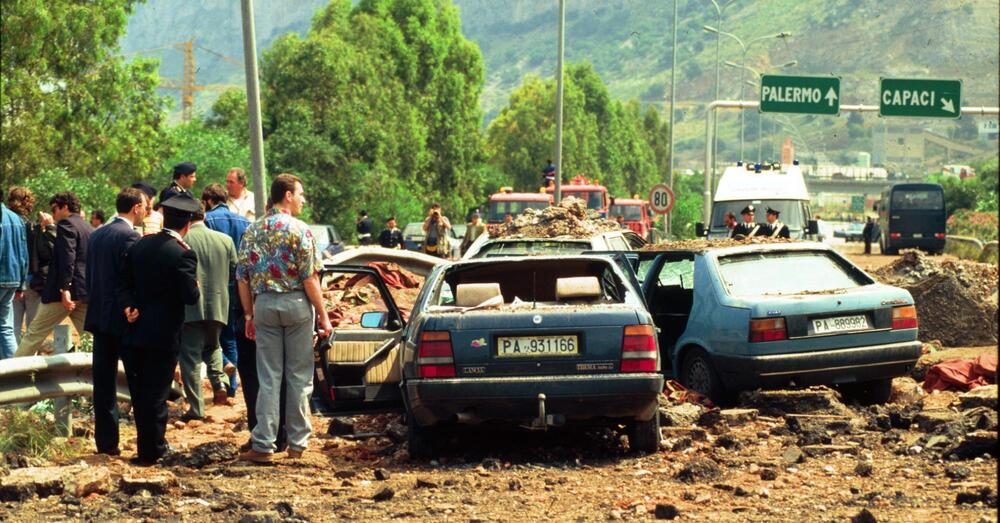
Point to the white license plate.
(918, 235)
(841, 324)
(533, 346)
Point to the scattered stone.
(863, 469)
(615, 515)
(491, 464)
(914, 450)
(665, 511)
(735, 417)
(741, 492)
(984, 418)
(930, 419)
(768, 474)
(678, 414)
(957, 472)
(728, 441)
(195, 423)
(384, 495)
(793, 455)
(344, 474)
(426, 483)
(340, 426)
(985, 396)
(90, 480)
(261, 516)
(157, 484)
(820, 423)
(710, 418)
(695, 433)
(814, 451)
(679, 444)
(203, 455)
(514, 485)
(285, 509)
(984, 495)
(22, 483)
(813, 400)
(905, 391)
(702, 469)
(974, 445)
(381, 474)
(864, 517)
(640, 510)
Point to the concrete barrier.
(989, 254)
(963, 247)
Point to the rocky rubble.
(571, 219)
(956, 299)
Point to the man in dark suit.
(105, 319)
(159, 278)
(65, 292)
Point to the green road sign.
(800, 94)
(920, 98)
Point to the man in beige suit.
(204, 320)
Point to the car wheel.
(644, 436)
(698, 374)
(418, 439)
(875, 392)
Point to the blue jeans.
(227, 340)
(8, 344)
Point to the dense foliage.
(604, 139)
(67, 101)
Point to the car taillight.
(638, 349)
(770, 329)
(434, 356)
(895, 235)
(939, 235)
(904, 317)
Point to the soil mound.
(956, 299)
(701, 245)
(571, 218)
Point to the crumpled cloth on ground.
(963, 375)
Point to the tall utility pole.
(557, 193)
(670, 150)
(253, 108)
(719, 9)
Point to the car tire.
(875, 392)
(644, 436)
(698, 374)
(419, 440)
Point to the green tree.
(67, 101)
(214, 151)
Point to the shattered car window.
(780, 273)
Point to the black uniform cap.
(145, 187)
(181, 205)
(184, 168)
(773, 211)
(748, 210)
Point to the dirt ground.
(739, 469)
(855, 251)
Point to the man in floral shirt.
(279, 282)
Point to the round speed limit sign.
(661, 199)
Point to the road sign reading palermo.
(919, 98)
(800, 94)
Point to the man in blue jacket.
(105, 317)
(13, 271)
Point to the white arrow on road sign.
(830, 97)
(947, 105)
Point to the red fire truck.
(592, 192)
(636, 212)
(507, 201)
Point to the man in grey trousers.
(278, 277)
(204, 320)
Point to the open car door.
(358, 368)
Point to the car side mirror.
(812, 227)
(699, 229)
(373, 320)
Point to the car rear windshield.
(788, 272)
(929, 200)
(533, 280)
(522, 248)
(632, 213)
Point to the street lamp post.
(745, 47)
(557, 191)
(719, 9)
(760, 117)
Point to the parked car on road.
(538, 342)
(773, 315)
(328, 242)
(851, 232)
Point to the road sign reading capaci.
(661, 199)
(920, 98)
(800, 94)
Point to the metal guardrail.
(36, 378)
(963, 247)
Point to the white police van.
(779, 187)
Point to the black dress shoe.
(112, 452)
(246, 446)
(141, 462)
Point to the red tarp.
(962, 375)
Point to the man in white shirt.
(239, 199)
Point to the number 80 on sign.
(661, 199)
